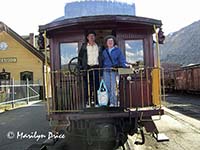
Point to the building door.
(4, 91)
(26, 75)
(4, 77)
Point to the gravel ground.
(183, 133)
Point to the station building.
(19, 60)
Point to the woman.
(112, 58)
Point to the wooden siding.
(26, 61)
(64, 37)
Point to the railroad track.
(187, 105)
(191, 111)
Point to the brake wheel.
(73, 66)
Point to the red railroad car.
(190, 79)
(185, 79)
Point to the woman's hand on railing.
(128, 65)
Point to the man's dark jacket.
(83, 58)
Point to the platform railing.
(16, 93)
(74, 92)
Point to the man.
(90, 62)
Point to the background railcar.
(185, 79)
(138, 89)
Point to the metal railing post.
(47, 73)
(13, 93)
(27, 90)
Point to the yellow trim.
(47, 74)
(156, 86)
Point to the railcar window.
(67, 52)
(134, 51)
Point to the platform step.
(160, 137)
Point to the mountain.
(182, 47)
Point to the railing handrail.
(8, 93)
(142, 75)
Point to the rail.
(13, 93)
(132, 88)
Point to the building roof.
(191, 66)
(17, 37)
(112, 19)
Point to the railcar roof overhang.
(102, 21)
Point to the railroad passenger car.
(138, 88)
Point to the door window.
(67, 52)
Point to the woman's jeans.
(110, 81)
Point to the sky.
(24, 16)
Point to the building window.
(4, 75)
(134, 51)
(67, 52)
(26, 75)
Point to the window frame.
(143, 45)
(67, 42)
